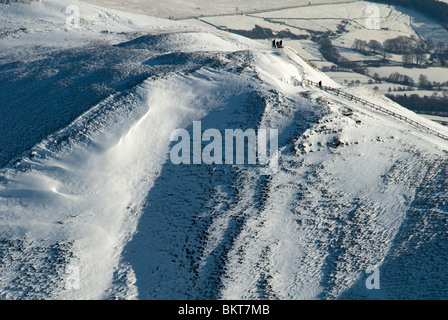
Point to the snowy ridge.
(96, 209)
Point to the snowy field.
(92, 207)
(175, 9)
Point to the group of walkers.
(277, 44)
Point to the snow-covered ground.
(91, 207)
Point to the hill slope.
(97, 210)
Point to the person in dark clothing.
(320, 84)
(281, 44)
(274, 44)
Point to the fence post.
(377, 107)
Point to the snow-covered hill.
(92, 207)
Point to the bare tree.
(407, 58)
(375, 45)
(359, 45)
(423, 82)
(420, 58)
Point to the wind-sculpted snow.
(95, 208)
(53, 91)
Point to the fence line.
(374, 106)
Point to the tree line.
(427, 104)
(398, 45)
(423, 82)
